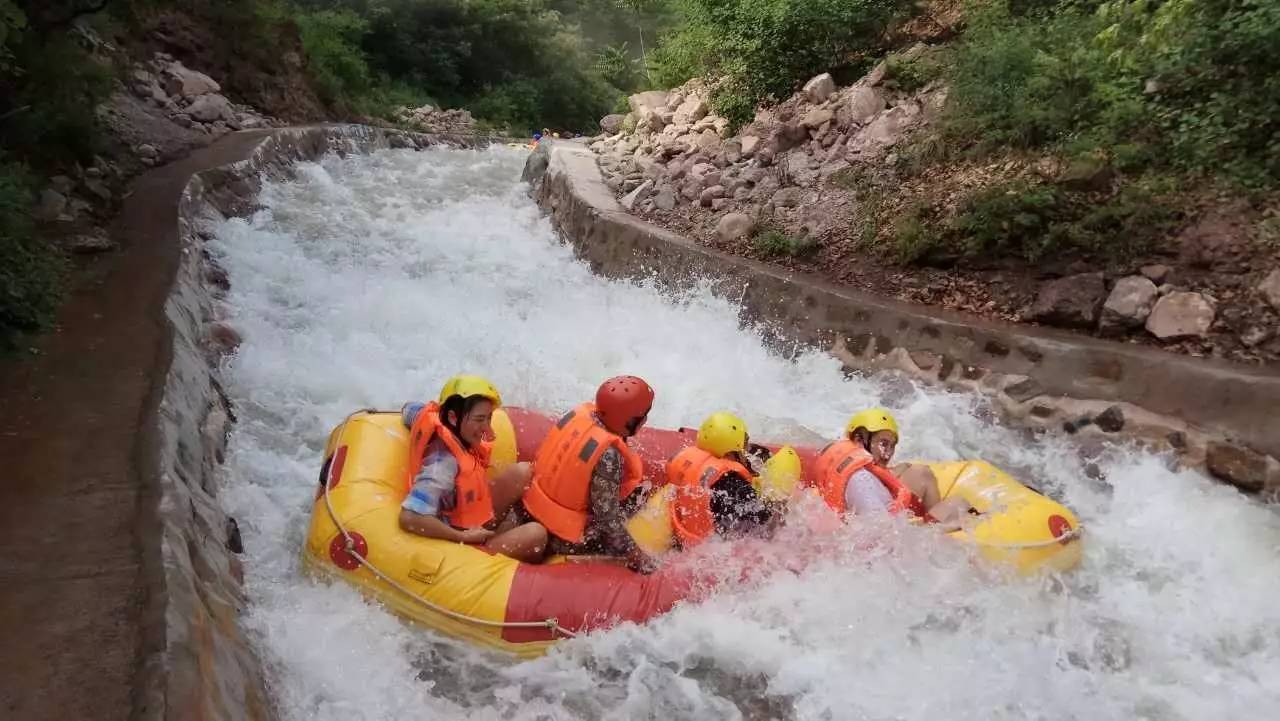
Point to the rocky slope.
(819, 181)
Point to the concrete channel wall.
(1209, 414)
(199, 662)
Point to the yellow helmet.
(781, 475)
(721, 433)
(468, 385)
(873, 419)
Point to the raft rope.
(551, 624)
(1071, 535)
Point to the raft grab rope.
(349, 545)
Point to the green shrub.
(30, 269)
(760, 50)
(55, 86)
(1008, 219)
(773, 243)
(331, 39)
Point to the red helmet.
(622, 402)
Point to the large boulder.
(864, 103)
(1270, 288)
(51, 205)
(816, 118)
(785, 137)
(1238, 466)
(210, 108)
(1181, 315)
(750, 144)
(665, 199)
(641, 192)
(611, 124)
(887, 129)
(693, 109)
(1070, 302)
(734, 226)
(185, 82)
(818, 89)
(1128, 305)
(649, 100)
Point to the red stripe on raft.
(584, 597)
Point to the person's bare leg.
(527, 542)
(509, 486)
(948, 512)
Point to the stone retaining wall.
(1210, 414)
(199, 663)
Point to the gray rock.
(209, 108)
(717, 204)
(650, 100)
(710, 194)
(742, 193)
(1255, 335)
(51, 205)
(785, 137)
(1156, 273)
(693, 109)
(820, 88)
(89, 243)
(750, 144)
(640, 193)
(734, 226)
(1128, 305)
(888, 128)
(876, 76)
(63, 184)
(98, 188)
(1238, 466)
(1111, 420)
(612, 123)
(787, 197)
(1270, 288)
(1070, 302)
(864, 103)
(182, 120)
(1087, 175)
(665, 199)
(816, 118)
(183, 81)
(147, 150)
(1180, 315)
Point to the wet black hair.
(734, 501)
(458, 407)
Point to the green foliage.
(54, 87)
(12, 22)
(911, 74)
(773, 243)
(1008, 219)
(760, 50)
(30, 269)
(331, 39)
(1190, 84)
(912, 238)
(617, 67)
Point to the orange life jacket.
(559, 495)
(473, 505)
(693, 472)
(838, 462)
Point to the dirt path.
(77, 465)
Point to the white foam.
(367, 281)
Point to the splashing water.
(367, 281)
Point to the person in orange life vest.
(450, 496)
(853, 476)
(586, 480)
(712, 482)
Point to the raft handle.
(551, 624)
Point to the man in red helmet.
(585, 475)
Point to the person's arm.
(864, 493)
(606, 511)
(431, 495)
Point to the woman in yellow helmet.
(450, 496)
(853, 475)
(712, 485)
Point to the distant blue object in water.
(537, 136)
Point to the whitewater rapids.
(367, 281)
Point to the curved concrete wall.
(199, 662)
(1210, 413)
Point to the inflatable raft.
(499, 603)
